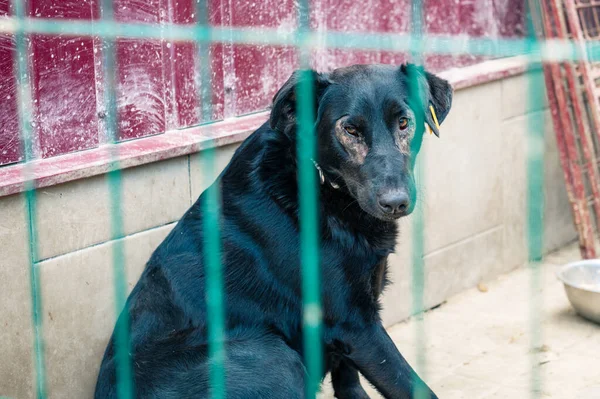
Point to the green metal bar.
(535, 202)
(125, 383)
(418, 246)
(418, 284)
(308, 200)
(210, 222)
(27, 142)
(550, 50)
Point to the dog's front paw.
(354, 392)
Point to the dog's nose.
(394, 202)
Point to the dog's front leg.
(346, 381)
(374, 354)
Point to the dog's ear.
(433, 91)
(283, 110)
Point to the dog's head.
(370, 121)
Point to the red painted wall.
(63, 82)
(157, 82)
(10, 146)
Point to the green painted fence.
(416, 44)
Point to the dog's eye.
(351, 130)
(403, 123)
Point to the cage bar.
(418, 222)
(555, 49)
(125, 383)
(211, 211)
(308, 200)
(535, 206)
(26, 138)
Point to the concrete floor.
(478, 341)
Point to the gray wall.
(473, 202)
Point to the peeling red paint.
(567, 116)
(182, 60)
(141, 86)
(157, 81)
(586, 146)
(10, 145)
(62, 83)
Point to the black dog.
(369, 122)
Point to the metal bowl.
(582, 284)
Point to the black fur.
(260, 254)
